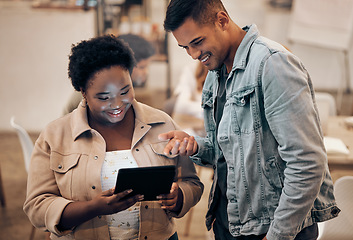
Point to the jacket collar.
(241, 55)
(143, 115)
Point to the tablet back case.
(148, 181)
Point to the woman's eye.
(123, 93)
(103, 98)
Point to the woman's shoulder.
(60, 122)
(57, 128)
(151, 115)
(153, 112)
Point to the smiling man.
(264, 140)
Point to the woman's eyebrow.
(102, 93)
(125, 87)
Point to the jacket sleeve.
(292, 116)
(206, 153)
(189, 183)
(43, 204)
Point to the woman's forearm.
(76, 213)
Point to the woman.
(75, 159)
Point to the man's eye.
(198, 42)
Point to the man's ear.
(223, 19)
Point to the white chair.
(26, 142)
(326, 105)
(326, 102)
(27, 148)
(340, 227)
(325, 24)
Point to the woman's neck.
(118, 136)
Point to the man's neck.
(237, 36)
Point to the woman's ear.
(84, 102)
(83, 93)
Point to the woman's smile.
(116, 113)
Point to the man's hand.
(179, 143)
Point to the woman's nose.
(115, 103)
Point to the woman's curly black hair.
(91, 56)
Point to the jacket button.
(145, 237)
(60, 167)
(93, 187)
(334, 211)
(146, 206)
(142, 127)
(95, 157)
(137, 149)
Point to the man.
(264, 140)
(143, 51)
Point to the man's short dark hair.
(201, 11)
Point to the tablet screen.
(148, 181)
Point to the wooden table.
(337, 128)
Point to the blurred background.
(36, 37)
(35, 41)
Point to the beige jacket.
(66, 166)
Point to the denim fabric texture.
(278, 180)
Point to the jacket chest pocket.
(241, 108)
(207, 105)
(62, 166)
(154, 155)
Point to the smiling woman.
(85, 149)
(110, 93)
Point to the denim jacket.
(270, 136)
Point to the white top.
(188, 98)
(123, 225)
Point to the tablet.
(148, 181)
